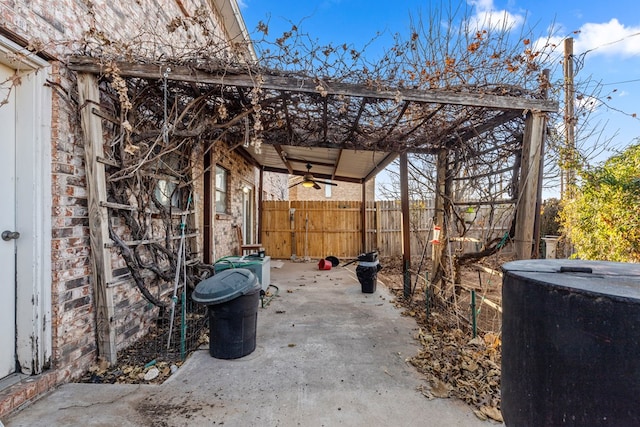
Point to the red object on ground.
(324, 264)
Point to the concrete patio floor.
(327, 354)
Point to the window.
(167, 194)
(327, 190)
(221, 189)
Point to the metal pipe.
(474, 326)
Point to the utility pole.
(567, 173)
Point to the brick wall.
(142, 22)
(241, 172)
(58, 31)
(73, 316)
(275, 186)
(344, 191)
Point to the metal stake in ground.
(181, 252)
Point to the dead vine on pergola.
(158, 123)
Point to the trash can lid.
(225, 286)
(368, 257)
(609, 278)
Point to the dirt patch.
(146, 361)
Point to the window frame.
(221, 190)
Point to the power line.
(610, 43)
(580, 59)
(620, 83)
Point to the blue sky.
(606, 34)
(606, 44)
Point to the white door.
(7, 223)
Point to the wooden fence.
(311, 229)
(316, 229)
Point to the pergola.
(350, 131)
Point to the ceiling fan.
(308, 181)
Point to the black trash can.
(570, 343)
(367, 271)
(232, 297)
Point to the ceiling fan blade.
(315, 185)
(297, 183)
(326, 182)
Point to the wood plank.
(378, 228)
(316, 175)
(363, 217)
(117, 206)
(276, 229)
(89, 95)
(491, 304)
(150, 241)
(483, 175)
(107, 162)
(485, 202)
(300, 85)
(528, 192)
(464, 239)
(336, 227)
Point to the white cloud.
(487, 17)
(608, 38)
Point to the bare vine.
(156, 126)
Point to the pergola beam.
(283, 157)
(316, 175)
(311, 162)
(395, 123)
(354, 126)
(528, 192)
(325, 118)
(380, 166)
(484, 175)
(406, 225)
(337, 164)
(307, 85)
(475, 131)
(285, 107)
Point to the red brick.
(73, 341)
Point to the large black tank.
(571, 343)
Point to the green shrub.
(602, 221)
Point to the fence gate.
(311, 229)
(316, 229)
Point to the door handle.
(10, 235)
